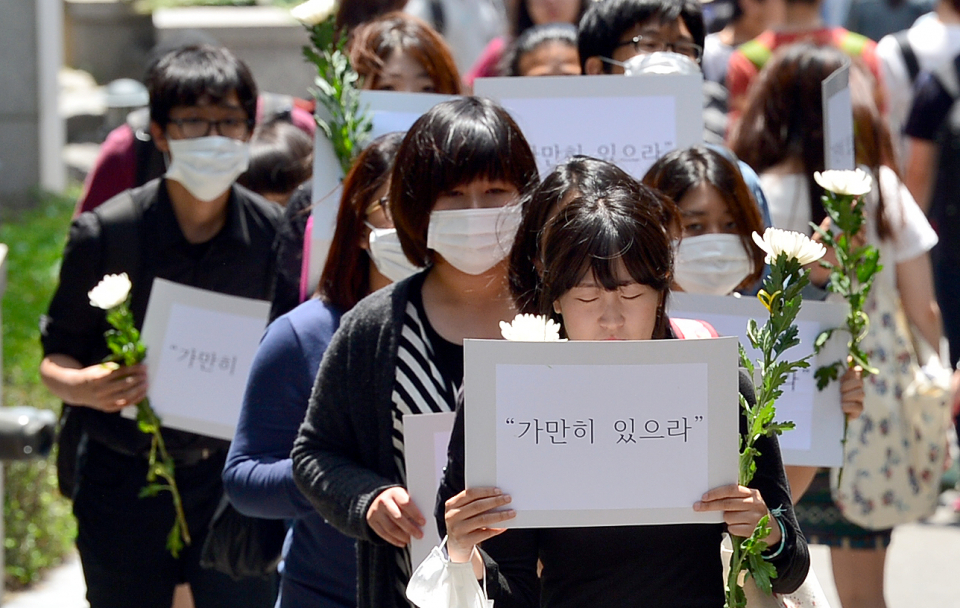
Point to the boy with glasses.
(195, 227)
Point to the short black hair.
(531, 39)
(454, 143)
(281, 158)
(605, 22)
(192, 73)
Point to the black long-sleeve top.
(662, 565)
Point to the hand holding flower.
(851, 392)
(110, 387)
(742, 507)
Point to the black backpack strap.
(909, 57)
(437, 15)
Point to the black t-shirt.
(239, 260)
(448, 357)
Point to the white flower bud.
(313, 12)
(795, 245)
(849, 183)
(110, 292)
(531, 328)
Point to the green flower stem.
(127, 348)
(781, 297)
(851, 277)
(164, 470)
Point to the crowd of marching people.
(448, 229)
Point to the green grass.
(38, 524)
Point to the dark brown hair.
(566, 181)
(374, 42)
(353, 13)
(346, 274)
(783, 118)
(680, 171)
(455, 143)
(598, 230)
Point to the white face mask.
(387, 254)
(711, 264)
(207, 166)
(474, 240)
(660, 62)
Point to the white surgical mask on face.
(474, 240)
(207, 166)
(711, 264)
(660, 62)
(387, 254)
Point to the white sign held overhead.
(838, 142)
(629, 121)
(425, 439)
(661, 414)
(200, 346)
(816, 440)
(390, 111)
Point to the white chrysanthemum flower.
(850, 183)
(313, 12)
(110, 292)
(795, 245)
(531, 328)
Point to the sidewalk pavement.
(923, 569)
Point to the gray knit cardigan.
(343, 456)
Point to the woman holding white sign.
(781, 136)
(454, 193)
(607, 266)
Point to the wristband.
(783, 540)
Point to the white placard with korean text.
(838, 152)
(425, 439)
(602, 433)
(389, 111)
(200, 346)
(816, 440)
(629, 121)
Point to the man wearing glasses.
(614, 31)
(193, 226)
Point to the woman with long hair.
(781, 136)
(319, 563)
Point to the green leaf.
(175, 540)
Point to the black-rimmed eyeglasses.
(651, 44)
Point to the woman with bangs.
(606, 261)
(454, 198)
(398, 52)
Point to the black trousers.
(122, 537)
